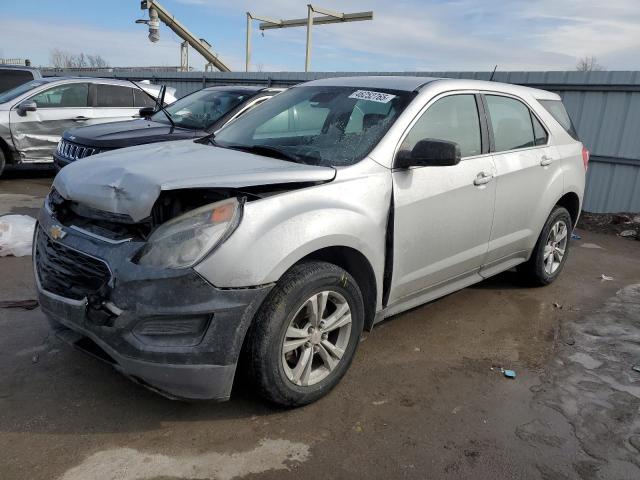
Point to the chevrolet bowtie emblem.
(56, 232)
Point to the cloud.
(405, 35)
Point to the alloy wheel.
(316, 338)
(555, 247)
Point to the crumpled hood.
(128, 181)
(127, 133)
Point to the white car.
(34, 115)
(334, 205)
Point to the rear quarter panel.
(568, 166)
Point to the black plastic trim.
(484, 124)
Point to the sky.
(405, 35)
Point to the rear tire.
(551, 250)
(294, 355)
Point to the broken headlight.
(186, 239)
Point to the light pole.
(250, 17)
(328, 16)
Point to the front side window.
(511, 123)
(200, 110)
(72, 95)
(317, 125)
(113, 96)
(453, 119)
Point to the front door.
(443, 215)
(36, 134)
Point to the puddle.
(130, 464)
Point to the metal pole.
(248, 55)
(307, 62)
(184, 56)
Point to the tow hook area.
(101, 312)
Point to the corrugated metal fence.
(605, 107)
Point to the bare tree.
(589, 64)
(59, 58)
(96, 61)
(63, 59)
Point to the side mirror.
(25, 107)
(429, 153)
(146, 112)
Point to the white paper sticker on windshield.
(372, 96)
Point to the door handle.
(482, 179)
(546, 160)
(80, 119)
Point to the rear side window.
(113, 96)
(557, 111)
(12, 78)
(72, 95)
(511, 123)
(141, 99)
(453, 119)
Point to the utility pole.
(328, 17)
(158, 13)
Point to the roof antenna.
(493, 73)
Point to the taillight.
(585, 157)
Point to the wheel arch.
(4, 147)
(571, 202)
(359, 267)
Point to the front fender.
(276, 232)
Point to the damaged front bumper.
(168, 329)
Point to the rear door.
(113, 103)
(442, 214)
(526, 169)
(36, 134)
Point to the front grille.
(73, 151)
(67, 272)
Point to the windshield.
(317, 125)
(20, 89)
(201, 109)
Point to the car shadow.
(509, 280)
(12, 172)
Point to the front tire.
(551, 250)
(3, 161)
(305, 335)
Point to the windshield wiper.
(266, 150)
(158, 101)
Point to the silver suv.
(34, 115)
(336, 204)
